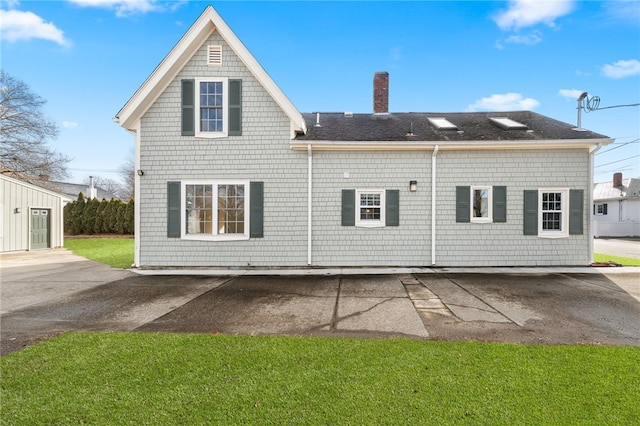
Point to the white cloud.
(526, 13)
(504, 102)
(530, 39)
(70, 124)
(622, 69)
(570, 93)
(122, 7)
(23, 26)
(624, 10)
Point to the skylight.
(507, 123)
(442, 124)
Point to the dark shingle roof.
(471, 126)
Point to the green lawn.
(117, 252)
(127, 378)
(624, 261)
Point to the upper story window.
(211, 108)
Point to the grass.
(624, 261)
(117, 252)
(126, 378)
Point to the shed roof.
(416, 126)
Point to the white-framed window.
(600, 209)
(211, 107)
(481, 204)
(553, 216)
(215, 210)
(370, 208)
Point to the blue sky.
(88, 57)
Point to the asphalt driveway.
(524, 306)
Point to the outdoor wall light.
(17, 210)
(140, 172)
(413, 185)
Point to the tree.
(127, 172)
(24, 133)
(76, 215)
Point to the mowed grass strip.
(127, 378)
(624, 261)
(116, 252)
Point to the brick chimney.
(381, 93)
(617, 180)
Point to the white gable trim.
(130, 114)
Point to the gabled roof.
(412, 126)
(14, 180)
(606, 191)
(129, 116)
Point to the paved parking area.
(509, 305)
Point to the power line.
(618, 161)
(619, 146)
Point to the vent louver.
(214, 55)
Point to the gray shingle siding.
(263, 154)
(490, 244)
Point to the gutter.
(323, 145)
(433, 204)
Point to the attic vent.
(507, 123)
(214, 55)
(442, 124)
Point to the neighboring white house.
(32, 217)
(231, 174)
(616, 207)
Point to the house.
(74, 189)
(32, 216)
(231, 174)
(616, 207)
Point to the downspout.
(590, 198)
(309, 201)
(136, 204)
(433, 205)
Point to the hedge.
(98, 217)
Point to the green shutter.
(173, 209)
(188, 107)
(235, 107)
(392, 207)
(499, 204)
(348, 207)
(463, 204)
(576, 199)
(604, 209)
(256, 210)
(530, 219)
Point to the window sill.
(482, 220)
(553, 235)
(369, 225)
(211, 135)
(206, 237)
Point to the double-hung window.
(370, 208)
(553, 212)
(215, 210)
(553, 218)
(211, 107)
